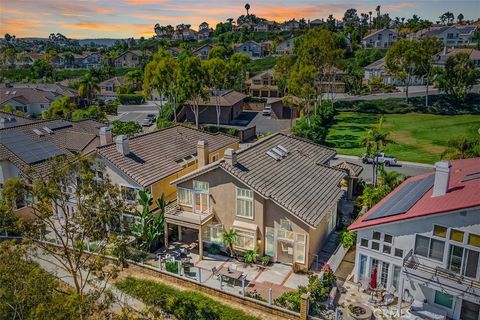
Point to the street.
(405, 168)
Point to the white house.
(286, 47)
(380, 39)
(378, 69)
(448, 35)
(424, 241)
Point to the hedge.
(131, 98)
(184, 305)
(215, 129)
(438, 104)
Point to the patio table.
(229, 273)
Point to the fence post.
(179, 268)
(199, 275)
(270, 296)
(160, 263)
(304, 306)
(243, 286)
(221, 283)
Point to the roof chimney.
(105, 136)
(230, 156)
(442, 178)
(122, 144)
(202, 153)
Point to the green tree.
(216, 80)
(218, 52)
(193, 80)
(149, 227)
(372, 195)
(427, 48)
(301, 83)
(9, 108)
(458, 76)
(88, 87)
(60, 109)
(129, 128)
(375, 142)
(281, 72)
(134, 77)
(392, 179)
(401, 61)
(229, 238)
(462, 148)
(237, 70)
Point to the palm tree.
(88, 87)
(370, 21)
(134, 77)
(229, 238)
(391, 179)
(462, 148)
(247, 7)
(376, 141)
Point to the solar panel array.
(28, 150)
(403, 199)
(58, 124)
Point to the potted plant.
(229, 238)
(266, 260)
(251, 255)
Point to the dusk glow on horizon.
(136, 18)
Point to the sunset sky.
(136, 18)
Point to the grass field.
(417, 137)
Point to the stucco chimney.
(202, 153)
(442, 178)
(105, 136)
(230, 156)
(122, 144)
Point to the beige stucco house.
(279, 194)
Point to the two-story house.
(441, 58)
(286, 46)
(378, 69)
(264, 26)
(380, 39)
(108, 88)
(130, 59)
(89, 60)
(203, 51)
(262, 85)
(290, 26)
(278, 194)
(152, 160)
(423, 239)
(448, 35)
(251, 48)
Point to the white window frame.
(124, 188)
(179, 199)
(300, 243)
(246, 199)
(245, 234)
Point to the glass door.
(201, 202)
(455, 259)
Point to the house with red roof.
(422, 242)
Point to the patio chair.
(215, 273)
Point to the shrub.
(213, 249)
(347, 239)
(315, 131)
(265, 260)
(290, 300)
(184, 305)
(215, 129)
(171, 266)
(130, 98)
(251, 255)
(255, 296)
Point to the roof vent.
(274, 155)
(38, 132)
(48, 130)
(278, 152)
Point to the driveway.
(266, 124)
(406, 168)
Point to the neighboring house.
(380, 39)
(203, 51)
(262, 85)
(466, 34)
(246, 25)
(281, 109)
(89, 60)
(290, 26)
(27, 58)
(441, 58)
(183, 32)
(286, 47)
(332, 80)
(108, 88)
(264, 26)
(33, 99)
(230, 102)
(151, 161)
(130, 59)
(174, 51)
(423, 239)
(8, 120)
(448, 35)
(252, 48)
(204, 31)
(315, 23)
(279, 194)
(26, 146)
(378, 69)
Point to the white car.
(267, 111)
(147, 122)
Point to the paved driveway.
(266, 124)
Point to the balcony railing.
(174, 213)
(412, 263)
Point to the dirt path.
(134, 272)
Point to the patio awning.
(245, 225)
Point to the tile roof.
(352, 169)
(376, 65)
(227, 98)
(19, 120)
(76, 138)
(301, 182)
(379, 31)
(34, 93)
(153, 155)
(463, 192)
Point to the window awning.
(245, 225)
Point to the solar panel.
(403, 199)
(58, 124)
(28, 150)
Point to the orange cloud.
(106, 27)
(73, 15)
(144, 2)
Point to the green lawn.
(255, 66)
(417, 137)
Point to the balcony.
(413, 266)
(174, 214)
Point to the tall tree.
(216, 80)
(134, 77)
(458, 76)
(60, 109)
(193, 77)
(427, 48)
(247, 7)
(88, 87)
(375, 141)
(401, 59)
(237, 70)
(281, 72)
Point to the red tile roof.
(463, 192)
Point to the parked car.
(147, 122)
(381, 158)
(267, 110)
(151, 116)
